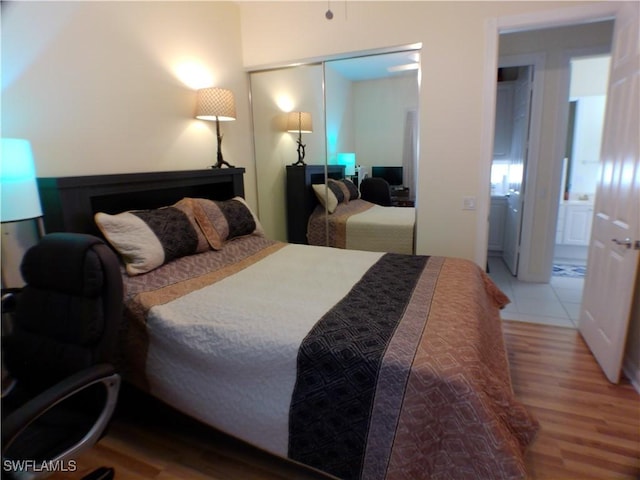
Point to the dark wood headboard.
(69, 203)
(301, 200)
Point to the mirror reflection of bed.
(336, 213)
(284, 346)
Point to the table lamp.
(299, 122)
(216, 104)
(19, 201)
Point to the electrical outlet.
(468, 203)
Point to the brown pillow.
(346, 195)
(354, 193)
(224, 220)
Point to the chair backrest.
(68, 315)
(376, 190)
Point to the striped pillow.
(221, 221)
(354, 193)
(342, 187)
(147, 239)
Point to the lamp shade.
(299, 122)
(215, 104)
(20, 199)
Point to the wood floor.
(590, 429)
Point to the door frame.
(493, 28)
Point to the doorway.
(540, 293)
(589, 77)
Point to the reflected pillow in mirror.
(224, 220)
(354, 193)
(346, 195)
(333, 196)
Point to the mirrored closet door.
(274, 95)
(372, 112)
(363, 111)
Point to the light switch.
(468, 203)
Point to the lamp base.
(301, 153)
(221, 163)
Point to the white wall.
(590, 75)
(109, 87)
(589, 83)
(452, 100)
(339, 114)
(380, 117)
(587, 143)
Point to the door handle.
(623, 243)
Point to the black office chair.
(376, 190)
(59, 347)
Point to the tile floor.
(556, 303)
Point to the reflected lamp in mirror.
(20, 201)
(300, 122)
(349, 162)
(218, 105)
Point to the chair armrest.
(9, 299)
(20, 419)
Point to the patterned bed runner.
(334, 400)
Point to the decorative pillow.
(354, 193)
(346, 195)
(147, 239)
(337, 190)
(224, 220)
(186, 206)
(333, 196)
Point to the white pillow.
(326, 197)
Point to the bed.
(362, 225)
(364, 365)
(331, 213)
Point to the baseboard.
(632, 372)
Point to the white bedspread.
(382, 229)
(221, 366)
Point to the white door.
(613, 255)
(519, 148)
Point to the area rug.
(571, 271)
